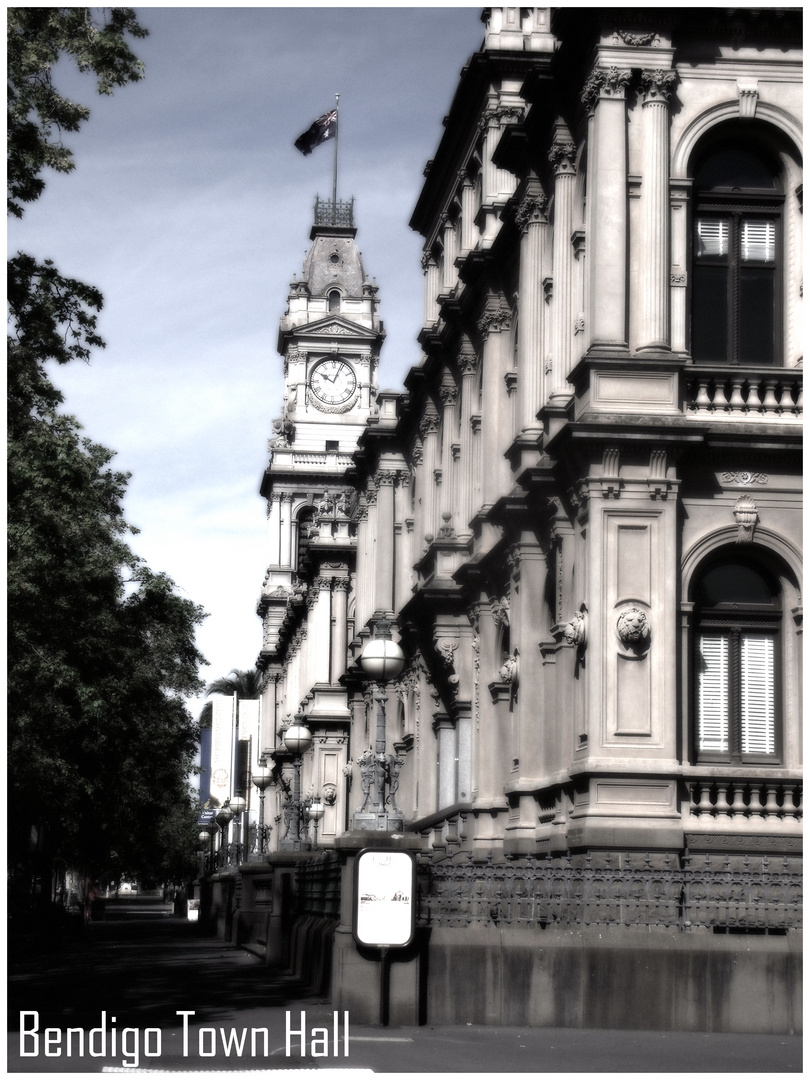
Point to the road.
(145, 991)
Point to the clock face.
(333, 382)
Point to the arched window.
(737, 629)
(737, 251)
(334, 300)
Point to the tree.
(101, 648)
(246, 684)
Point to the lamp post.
(315, 812)
(204, 843)
(237, 805)
(297, 740)
(382, 659)
(224, 818)
(261, 778)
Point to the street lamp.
(297, 740)
(315, 811)
(262, 778)
(237, 805)
(382, 660)
(224, 818)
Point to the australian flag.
(325, 127)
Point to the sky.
(190, 209)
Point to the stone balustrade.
(744, 393)
(752, 799)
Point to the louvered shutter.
(711, 664)
(757, 694)
(711, 237)
(758, 241)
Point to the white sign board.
(384, 906)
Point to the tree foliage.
(101, 647)
(37, 112)
(246, 684)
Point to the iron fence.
(318, 886)
(675, 892)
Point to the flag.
(325, 127)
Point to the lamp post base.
(371, 821)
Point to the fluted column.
(563, 312)
(494, 326)
(450, 244)
(320, 632)
(340, 597)
(468, 231)
(468, 365)
(448, 392)
(533, 224)
(429, 430)
(605, 95)
(431, 271)
(274, 529)
(654, 260)
(384, 570)
(286, 529)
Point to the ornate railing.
(334, 213)
(733, 393)
(318, 886)
(637, 890)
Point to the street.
(146, 991)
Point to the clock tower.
(329, 338)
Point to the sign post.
(384, 907)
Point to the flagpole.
(334, 179)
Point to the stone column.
(320, 632)
(448, 392)
(468, 364)
(450, 245)
(605, 95)
(274, 529)
(285, 521)
(431, 271)
(468, 231)
(340, 597)
(429, 430)
(563, 311)
(654, 261)
(533, 224)
(384, 539)
(494, 325)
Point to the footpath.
(144, 991)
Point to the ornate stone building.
(582, 514)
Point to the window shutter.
(711, 663)
(711, 237)
(758, 241)
(757, 693)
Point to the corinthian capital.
(605, 83)
(657, 85)
(563, 156)
(532, 209)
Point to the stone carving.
(562, 155)
(368, 764)
(633, 627)
(532, 209)
(604, 83)
(637, 40)
(509, 670)
(657, 85)
(574, 631)
(746, 516)
(329, 794)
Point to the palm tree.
(247, 685)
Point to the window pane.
(757, 694)
(733, 583)
(756, 315)
(758, 241)
(711, 237)
(711, 668)
(710, 314)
